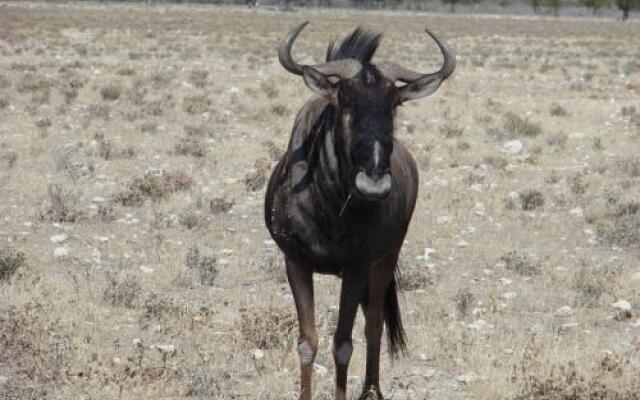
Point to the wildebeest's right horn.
(418, 84)
(346, 68)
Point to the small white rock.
(636, 277)
(147, 270)
(509, 296)
(59, 238)
(320, 369)
(622, 305)
(513, 146)
(257, 354)
(463, 243)
(505, 281)
(577, 135)
(466, 378)
(98, 200)
(563, 312)
(168, 349)
(577, 212)
(60, 252)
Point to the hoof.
(372, 394)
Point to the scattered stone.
(566, 328)
(257, 354)
(622, 305)
(320, 369)
(478, 209)
(98, 200)
(577, 135)
(623, 310)
(3, 380)
(166, 349)
(463, 243)
(577, 212)
(505, 281)
(147, 270)
(636, 277)
(564, 312)
(465, 379)
(513, 146)
(60, 252)
(59, 238)
(509, 296)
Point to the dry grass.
(132, 138)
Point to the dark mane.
(359, 45)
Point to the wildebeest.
(340, 200)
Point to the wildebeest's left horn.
(418, 84)
(346, 68)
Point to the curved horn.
(346, 68)
(395, 72)
(284, 51)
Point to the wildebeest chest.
(318, 235)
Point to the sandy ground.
(134, 262)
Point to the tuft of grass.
(592, 282)
(450, 131)
(464, 300)
(122, 292)
(257, 178)
(416, 279)
(558, 111)
(11, 260)
(111, 92)
(220, 205)
(521, 264)
(201, 267)
(198, 78)
(190, 146)
(622, 226)
(519, 126)
(62, 204)
(267, 328)
(196, 104)
(531, 199)
(200, 382)
(153, 186)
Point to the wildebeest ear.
(318, 82)
(420, 88)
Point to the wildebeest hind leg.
(301, 282)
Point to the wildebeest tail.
(393, 320)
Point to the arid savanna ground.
(134, 264)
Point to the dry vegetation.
(134, 147)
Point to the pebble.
(463, 243)
(98, 200)
(167, 349)
(61, 252)
(59, 238)
(577, 212)
(505, 281)
(577, 135)
(622, 305)
(563, 312)
(257, 354)
(636, 277)
(320, 369)
(478, 209)
(513, 146)
(3, 380)
(566, 328)
(465, 379)
(147, 270)
(509, 296)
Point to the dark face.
(366, 105)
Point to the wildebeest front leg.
(380, 278)
(301, 282)
(353, 289)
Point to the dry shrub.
(158, 307)
(531, 199)
(111, 92)
(521, 264)
(621, 226)
(267, 328)
(612, 377)
(257, 178)
(200, 382)
(415, 278)
(10, 158)
(201, 267)
(62, 204)
(11, 260)
(558, 111)
(630, 166)
(4, 102)
(192, 220)
(34, 353)
(31, 82)
(451, 131)
(105, 149)
(154, 186)
(198, 77)
(220, 205)
(496, 162)
(592, 282)
(196, 104)
(121, 291)
(520, 126)
(464, 300)
(275, 152)
(190, 146)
